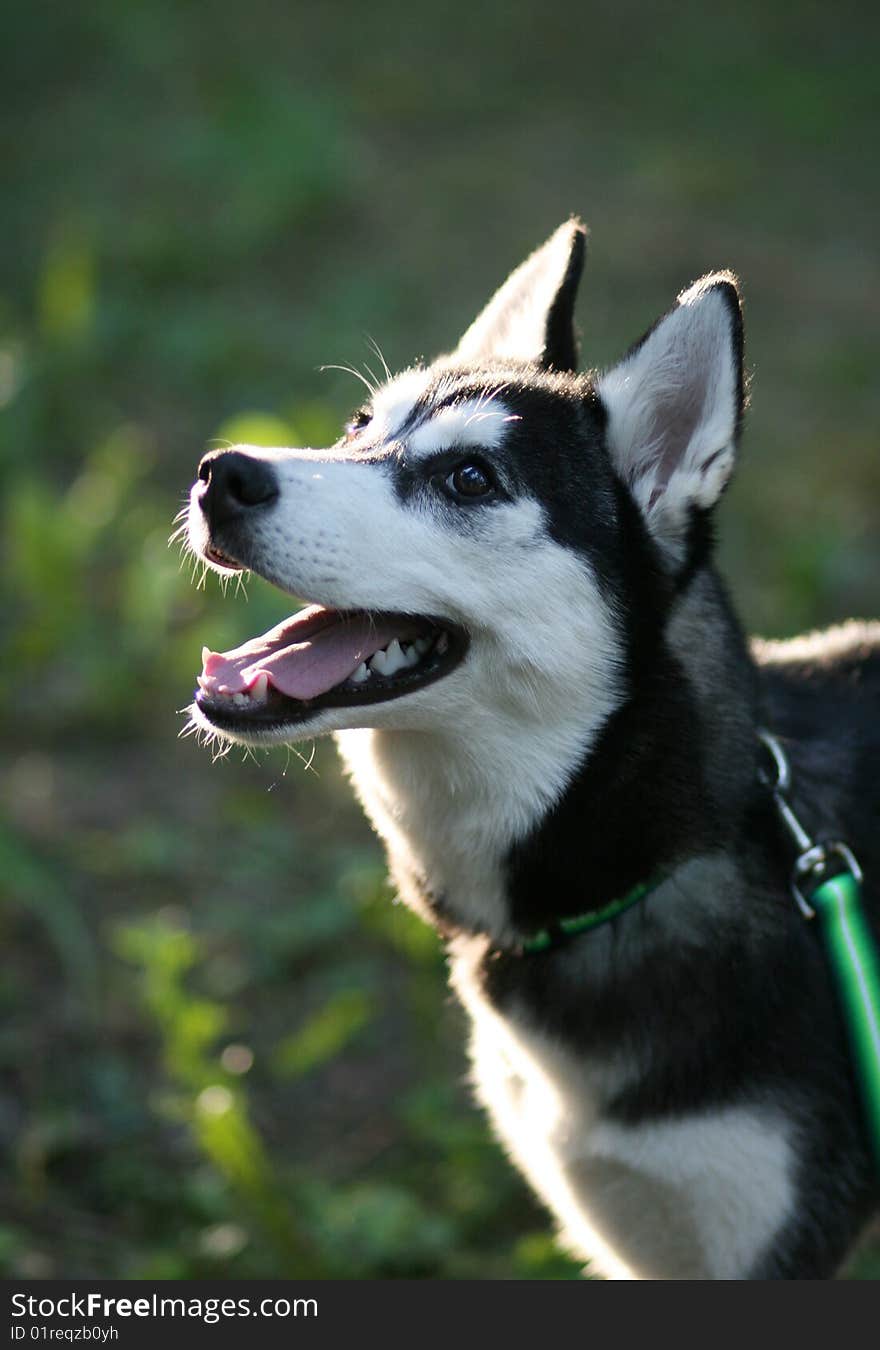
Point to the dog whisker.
(373, 376)
(376, 348)
(350, 370)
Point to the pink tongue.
(303, 657)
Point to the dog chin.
(419, 710)
(214, 725)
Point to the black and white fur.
(676, 1084)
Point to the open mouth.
(324, 658)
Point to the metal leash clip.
(814, 863)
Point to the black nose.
(235, 483)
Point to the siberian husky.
(545, 703)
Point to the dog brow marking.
(417, 394)
(395, 403)
(471, 422)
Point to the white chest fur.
(692, 1197)
(442, 815)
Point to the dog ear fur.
(531, 317)
(675, 405)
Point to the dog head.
(492, 534)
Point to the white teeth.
(401, 656)
(389, 660)
(259, 690)
(362, 673)
(396, 659)
(240, 699)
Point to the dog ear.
(675, 405)
(531, 318)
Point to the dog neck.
(502, 827)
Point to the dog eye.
(470, 480)
(362, 418)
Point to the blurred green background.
(224, 1051)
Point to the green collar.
(583, 923)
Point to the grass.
(226, 1051)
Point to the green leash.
(853, 956)
(827, 886)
